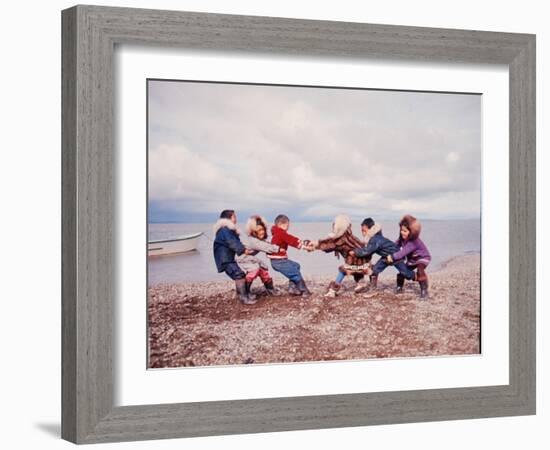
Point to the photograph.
(296, 224)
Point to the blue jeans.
(401, 267)
(340, 277)
(290, 269)
(233, 271)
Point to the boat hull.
(173, 246)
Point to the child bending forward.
(280, 261)
(342, 241)
(414, 253)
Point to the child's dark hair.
(281, 218)
(368, 222)
(227, 213)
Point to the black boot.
(373, 281)
(242, 293)
(248, 285)
(400, 284)
(270, 288)
(423, 289)
(303, 288)
(293, 288)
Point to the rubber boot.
(400, 284)
(242, 293)
(270, 289)
(303, 288)
(423, 289)
(293, 288)
(248, 285)
(361, 286)
(422, 279)
(333, 289)
(373, 281)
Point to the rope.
(207, 237)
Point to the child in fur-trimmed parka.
(375, 243)
(413, 252)
(227, 244)
(251, 264)
(342, 242)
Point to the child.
(280, 261)
(342, 241)
(226, 245)
(413, 252)
(254, 267)
(375, 242)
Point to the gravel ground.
(203, 324)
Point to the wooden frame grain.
(89, 35)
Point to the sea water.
(445, 239)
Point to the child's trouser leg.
(252, 275)
(268, 281)
(405, 270)
(264, 275)
(288, 268)
(340, 277)
(233, 271)
(290, 271)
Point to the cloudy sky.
(311, 152)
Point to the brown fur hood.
(252, 224)
(413, 225)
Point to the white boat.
(179, 244)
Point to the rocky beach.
(203, 324)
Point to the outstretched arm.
(363, 252)
(327, 245)
(293, 241)
(407, 249)
(262, 246)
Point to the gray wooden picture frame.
(89, 35)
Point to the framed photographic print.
(255, 209)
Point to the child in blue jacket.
(227, 244)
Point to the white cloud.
(322, 151)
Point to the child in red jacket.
(280, 261)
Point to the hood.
(251, 224)
(340, 225)
(413, 224)
(224, 223)
(376, 228)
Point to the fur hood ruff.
(251, 224)
(413, 224)
(340, 225)
(224, 223)
(373, 230)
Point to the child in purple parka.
(415, 254)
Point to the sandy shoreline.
(202, 324)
